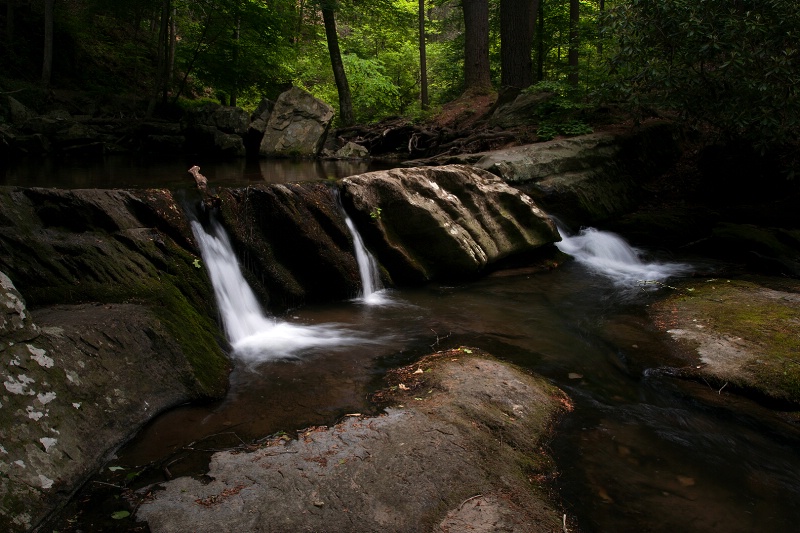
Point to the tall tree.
(574, 41)
(47, 63)
(517, 20)
(476, 45)
(342, 87)
(423, 61)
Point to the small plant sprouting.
(375, 213)
(196, 263)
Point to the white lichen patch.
(46, 481)
(48, 442)
(3, 450)
(20, 463)
(73, 377)
(39, 355)
(18, 385)
(76, 405)
(46, 397)
(34, 415)
(14, 362)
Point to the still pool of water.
(640, 451)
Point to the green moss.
(765, 320)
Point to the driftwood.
(210, 199)
(398, 136)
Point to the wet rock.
(117, 296)
(17, 112)
(297, 126)
(297, 246)
(459, 450)
(444, 222)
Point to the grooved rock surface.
(443, 222)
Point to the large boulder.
(444, 222)
(118, 294)
(297, 126)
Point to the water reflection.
(138, 171)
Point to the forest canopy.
(729, 65)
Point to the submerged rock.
(464, 447)
(444, 222)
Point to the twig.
(564, 523)
(468, 499)
(439, 338)
(720, 390)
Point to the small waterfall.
(372, 291)
(254, 336)
(608, 254)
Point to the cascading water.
(372, 291)
(608, 254)
(254, 336)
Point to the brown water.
(640, 452)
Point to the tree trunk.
(574, 19)
(161, 52)
(235, 86)
(173, 32)
(9, 24)
(47, 63)
(423, 59)
(540, 43)
(476, 46)
(342, 87)
(602, 8)
(517, 20)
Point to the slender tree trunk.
(173, 31)
(540, 43)
(9, 24)
(47, 63)
(235, 86)
(423, 59)
(343, 88)
(574, 19)
(161, 52)
(517, 21)
(476, 45)
(602, 8)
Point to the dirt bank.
(742, 334)
(460, 450)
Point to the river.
(640, 451)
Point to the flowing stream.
(641, 451)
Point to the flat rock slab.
(458, 452)
(745, 334)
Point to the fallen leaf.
(418, 371)
(402, 386)
(573, 375)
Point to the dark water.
(640, 451)
(164, 171)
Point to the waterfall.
(372, 291)
(254, 336)
(608, 254)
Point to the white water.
(254, 336)
(372, 291)
(609, 255)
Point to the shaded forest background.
(729, 67)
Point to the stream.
(640, 451)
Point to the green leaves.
(734, 66)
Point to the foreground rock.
(118, 298)
(460, 453)
(444, 222)
(738, 334)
